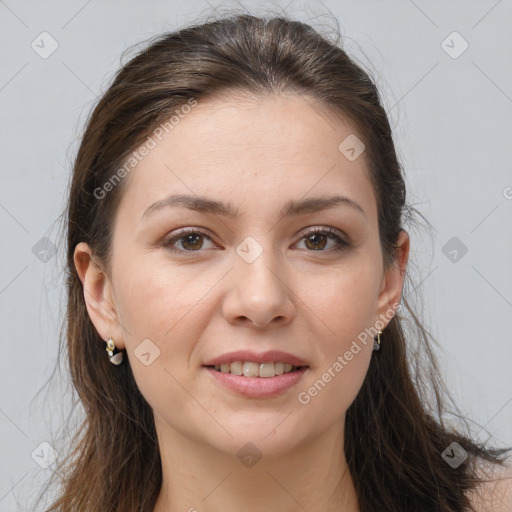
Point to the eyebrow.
(292, 208)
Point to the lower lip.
(258, 387)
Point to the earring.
(376, 342)
(114, 354)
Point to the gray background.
(452, 123)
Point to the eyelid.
(324, 229)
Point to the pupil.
(316, 244)
(189, 238)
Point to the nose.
(259, 294)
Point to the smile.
(252, 369)
(251, 383)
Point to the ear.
(98, 295)
(393, 281)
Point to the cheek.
(345, 305)
(343, 356)
(156, 298)
(328, 394)
(155, 305)
(344, 302)
(162, 303)
(157, 312)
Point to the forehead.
(271, 126)
(253, 148)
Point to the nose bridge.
(258, 265)
(259, 290)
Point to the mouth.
(257, 374)
(256, 380)
(258, 370)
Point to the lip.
(270, 356)
(258, 387)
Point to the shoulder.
(494, 493)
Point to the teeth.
(236, 367)
(252, 369)
(267, 370)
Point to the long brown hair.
(395, 430)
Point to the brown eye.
(191, 240)
(318, 239)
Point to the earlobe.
(98, 295)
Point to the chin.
(267, 437)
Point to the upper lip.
(270, 356)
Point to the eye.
(316, 239)
(191, 240)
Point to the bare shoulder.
(494, 494)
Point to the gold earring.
(376, 341)
(115, 355)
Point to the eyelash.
(331, 233)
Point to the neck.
(198, 478)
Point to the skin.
(313, 303)
(494, 494)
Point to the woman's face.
(257, 280)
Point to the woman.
(236, 250)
